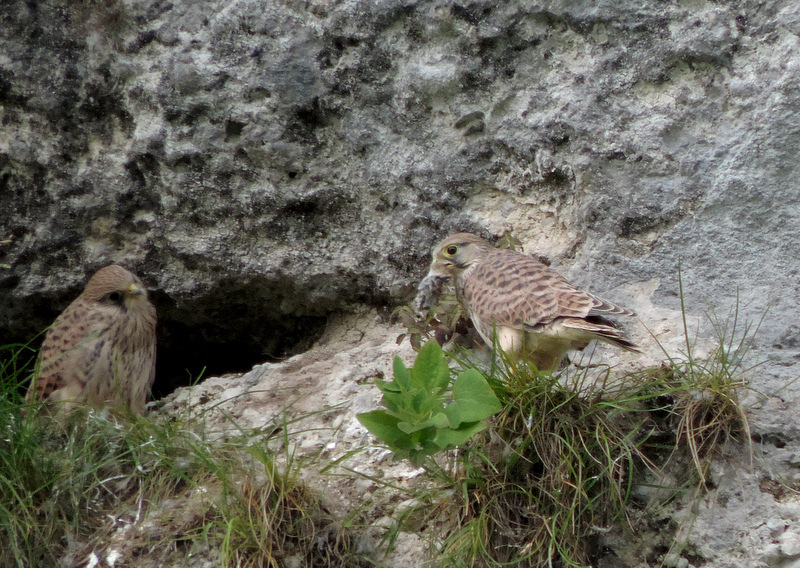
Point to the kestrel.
(102, 349)
(533, 311)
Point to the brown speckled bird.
(534, 311)
(102, 349)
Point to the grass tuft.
(152, 490)
(557, 465)
(698, 399)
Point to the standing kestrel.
(534, 312)
(102, 349)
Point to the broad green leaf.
(450, 438)
(387, 386)
(384, 426)
(465, 411)
(436, 421)
(472, 385)
(410, 428)
(394, 401)
(419, 402)
(474, 399)
(402, 376)
(411, 406)
(440, 420)
(424, 405)
(428, 366)
(441, 380)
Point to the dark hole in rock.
(233, 129)
(225, 332)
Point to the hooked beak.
(135, 290)
(440, 268)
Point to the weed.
(558, 463)
(101, 485)
(698, 400)
(417, 422)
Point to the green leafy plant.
(424, 414)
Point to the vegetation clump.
(105, 486)
(416, 422)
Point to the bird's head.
(114, 286)
(456, 254)
(452, 259)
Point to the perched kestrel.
(102, 349)
(535, 313)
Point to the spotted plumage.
(534, 311)
(101, 349)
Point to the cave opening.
(226, 330)
(187, 354)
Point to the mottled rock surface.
(264, 165)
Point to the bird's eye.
(115, 297)
(451, 250)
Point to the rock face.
(262, 165)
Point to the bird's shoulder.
(506, 271)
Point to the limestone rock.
(263, 165)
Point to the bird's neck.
(461, 279)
